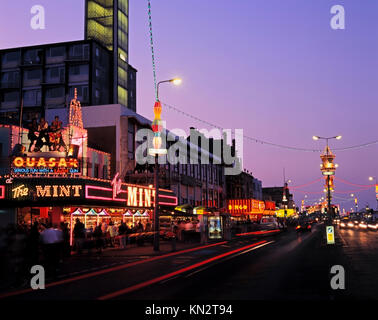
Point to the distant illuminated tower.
(328, 169)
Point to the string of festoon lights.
(152, 48)
(260, 141)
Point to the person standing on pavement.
(79, 235)
(122, 235)
(97, 234)
(51, 238)
(112, 233)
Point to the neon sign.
(61, 191)
(250, 206)
(130, 195)
(42, 165)
(20, 191)
(47, 191)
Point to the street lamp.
(328, 168)
(157, 151)
(175, 81)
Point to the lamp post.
(157, 151)
(376, 188)
(328, 168)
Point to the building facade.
(107, 22)
(243, 186)
(280, 195)
(44, 77)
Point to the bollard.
(173, 244)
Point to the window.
(122, 5)
(79, 51)
(33, 56)
(122, 39)
(97, 94)
(104, 172)
(82, 93)
(33, 74)
(10, 96)
(130, 139)
(97, 52)
(56, 92)
(97, 73)
(77, 70)
(32, 98)
(56, 52)
(55, 74)
(122, 21)
(122, 77)
(96, 170)
(11, 57)
(122, 96)
(10, 78)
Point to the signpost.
(330, 235)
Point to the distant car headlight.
(342, 224)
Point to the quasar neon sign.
(25, 165)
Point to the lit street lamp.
(156, 151)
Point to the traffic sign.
(330, 235)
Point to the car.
(268, 222)
(350, 224)
(344, 223)
(303, 226)
(363, 225)
(372, 225)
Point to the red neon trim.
(172, 274)
(2, 194)
(87, 196)
(117, 268)
(257, 232)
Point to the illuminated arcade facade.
(69, 183)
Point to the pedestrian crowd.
(22, 247)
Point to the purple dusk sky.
(273, 68)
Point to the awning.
(184, 208)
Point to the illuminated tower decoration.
(75, 115)
(77, 134)
(328, 169)
(157, 127)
